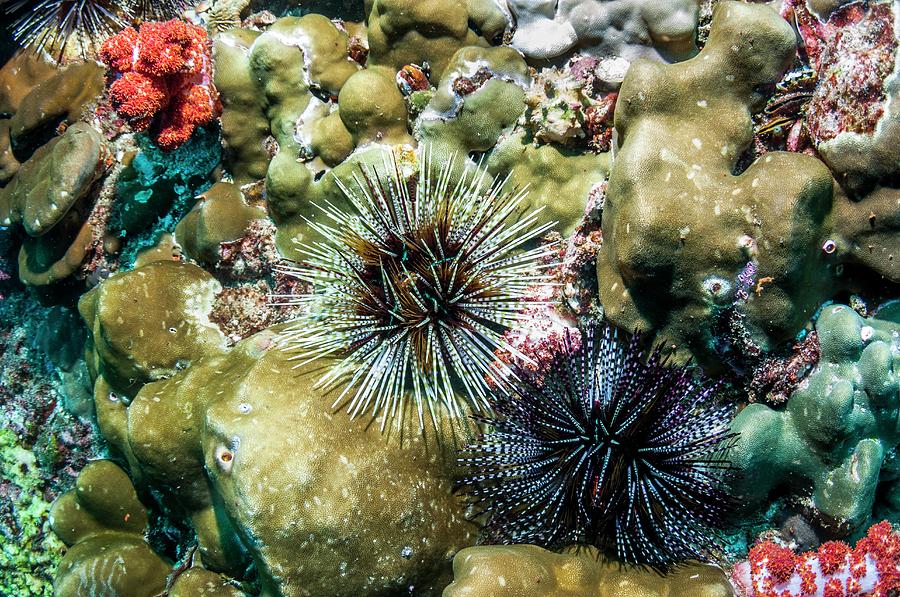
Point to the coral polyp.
(414, 287)
(614, 449)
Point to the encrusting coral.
(838, 430)
(679, 226)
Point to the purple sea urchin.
(415, 286)
(614, 449)
(54, 25)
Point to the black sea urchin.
(54, 25)
(614, 449)
(414, 287)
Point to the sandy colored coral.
(838, 428)
(220, 215)
(103, 522)
(306, 490)
(50, 197)
(415, 31)
(530, 571)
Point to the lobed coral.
(495, 570)
(162, 76)
(830, 446)
(681, 221)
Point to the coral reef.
(679, 226)
(262, 213)
(834, 570)
(496, 570)
(162, 76)
(838, 429)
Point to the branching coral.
(163, 75)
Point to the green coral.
(839, 429)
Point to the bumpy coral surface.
(162, 71)
(529, 570)
(679, 226)
(839, 427)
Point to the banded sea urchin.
(614, 449)
(54, 25)
(414, 287)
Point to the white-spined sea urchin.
(414, 287)
(52, 25)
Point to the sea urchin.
(614, 449)
(414, 287)
(55, 25)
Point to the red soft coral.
(162, 77)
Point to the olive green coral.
(839, 428)
(323, 506)
(50, 197)
(103, 523)
(679, 226)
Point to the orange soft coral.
(162, 78)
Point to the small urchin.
(414, 286)
(614, 448)
(55, 25)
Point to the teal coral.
(159, 188)
(839, 429)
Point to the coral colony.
(449, 298)
(613, 449)
(833, 570)
(162, 69)
(414, 287)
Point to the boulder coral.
(830, 448)
(681, 222)
(103, 523)
(617, 31)
(50, 198)
(241, 447)
(528, 570)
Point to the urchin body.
(614, 449)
